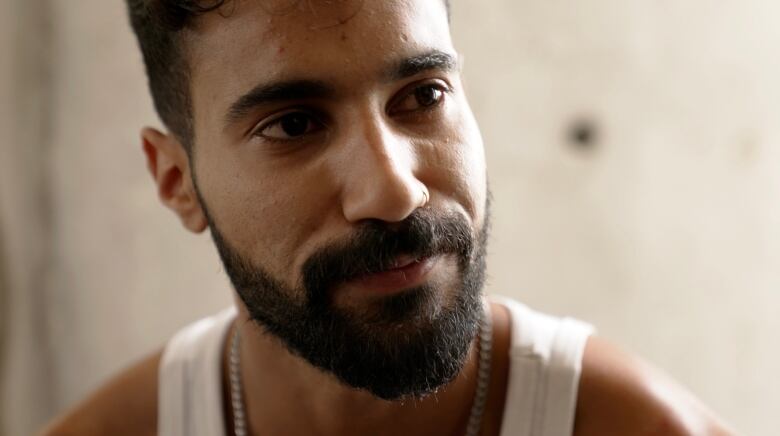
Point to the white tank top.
(545, 362)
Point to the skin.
(376, 154)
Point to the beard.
(405, 345)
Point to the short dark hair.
(158, 25)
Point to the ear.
(169, 166)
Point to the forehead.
(251, 41)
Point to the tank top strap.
(190, 379)
(545, 365)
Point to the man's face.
(321, 128)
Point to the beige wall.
(667, 233)
(24, 215)
(664, 231)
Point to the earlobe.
(169, 166)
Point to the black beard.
(406, 345)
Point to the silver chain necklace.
(484, 348)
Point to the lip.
(408, 272)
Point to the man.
(329, 148)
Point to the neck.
(284, 394)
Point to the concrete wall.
(98, 273)
(632, 152)
(25, 218)
(665, 230)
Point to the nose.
(379, 178)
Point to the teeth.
(404, 261)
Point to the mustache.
(376, 245)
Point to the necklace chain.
(236, 400)
(484, 348)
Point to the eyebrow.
(315, 89)
(276, 92)
(431, 60)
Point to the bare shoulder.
(620, 394)
(125, 405)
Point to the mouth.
(406, 272)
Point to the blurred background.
(634, 156)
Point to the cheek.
(267, 214)
(475, 171)
(459, 164)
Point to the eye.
(289, 126)
(427, 95)
(420, 98)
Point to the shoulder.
(621, 394)
(125, 405)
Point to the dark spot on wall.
(583, 135)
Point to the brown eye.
(427, 95)
(289, 126)
(419, 99)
